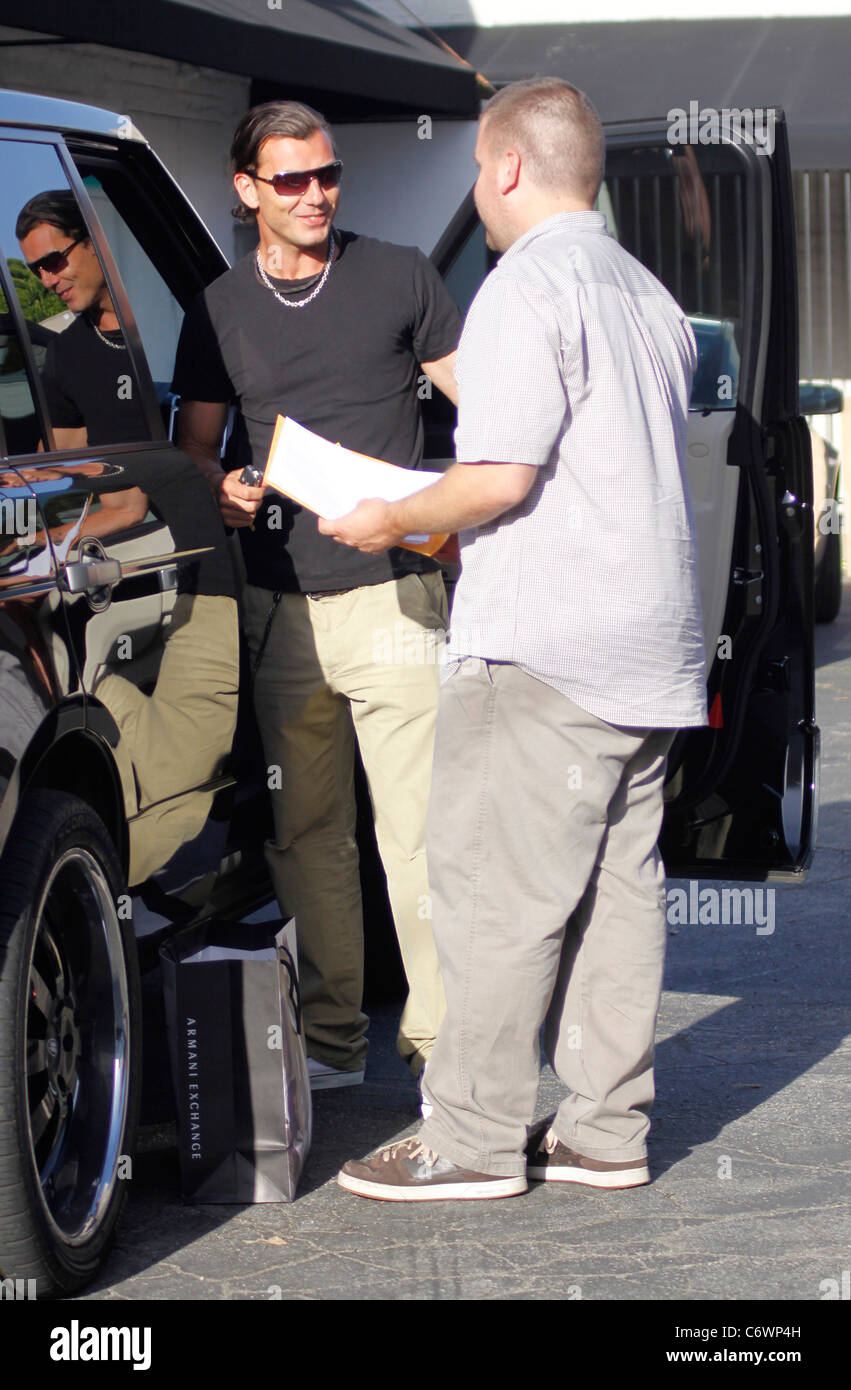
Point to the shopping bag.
(238, 1062)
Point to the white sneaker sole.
(328, 1081)
(447, 1192)
(586, 1177)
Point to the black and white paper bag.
(238, 1062)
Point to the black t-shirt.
(88, 383)
(344, 366)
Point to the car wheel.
(69, 1044)
(828, 587)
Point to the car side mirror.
(815, 398)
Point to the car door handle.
(148, 564)
(87, 575)
(84, 576)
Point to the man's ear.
(246, 190)
(508, 173)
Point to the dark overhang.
(337, 49)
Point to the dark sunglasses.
(299, 182)
(54, 261)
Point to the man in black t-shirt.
(332, 329)
(87, 378)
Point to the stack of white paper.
(331, 480)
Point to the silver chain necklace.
(299, 303)
(118, 347)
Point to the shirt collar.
(559, 222)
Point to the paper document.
(331, 480)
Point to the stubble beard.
(316, 245)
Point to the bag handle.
(294, 992)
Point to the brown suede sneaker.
(409, 1172)
(549, 1160)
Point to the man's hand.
(468, 494)
(370, 527)
(238, 503)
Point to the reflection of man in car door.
(174, 703)
(91, 392)
(116, 511)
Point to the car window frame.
(126, 319)
(168, 225)
(169, 232)
(136, 354)
(16, 314)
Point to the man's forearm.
(467, 495)
(209, 463)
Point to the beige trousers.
(361, 664)
(549, 909)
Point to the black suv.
(123, 806)
(126, 799)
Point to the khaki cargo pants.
(360, 664)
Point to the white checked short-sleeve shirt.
(575, 359)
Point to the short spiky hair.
(291, 119)
(554, 129)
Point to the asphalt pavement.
(749, 1152)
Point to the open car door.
(714, 222)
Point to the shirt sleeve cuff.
(503, 452)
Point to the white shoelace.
(417, 1150)
(550, 1143)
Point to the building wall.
(187, 113)
(487, 13)
(404, 180)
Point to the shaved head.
(554, 129)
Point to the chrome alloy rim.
(76, 1046)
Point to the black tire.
(70, 1044)
(828, 588)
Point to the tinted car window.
(469, 268)
(20, 430)
(156, 311)
(680, 211)
(92, 393)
